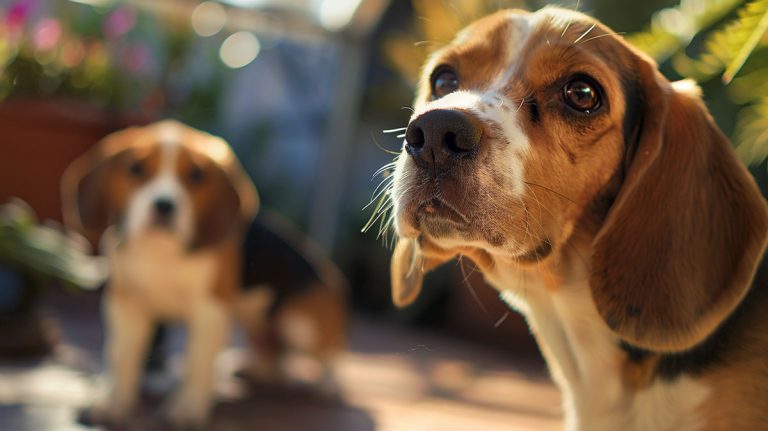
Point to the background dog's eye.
(444, 81)
(581, 95)
(137, 169)
(196, 175)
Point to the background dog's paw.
(100, 416)
(328, 389)
(262, 372)
(187, 412)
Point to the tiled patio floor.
(392, 379)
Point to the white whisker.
(376, 197)
(384, 168)
(584, 34)
(500, 321)
(570, 21)
(470, 287)
(599, 36)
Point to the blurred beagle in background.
(605, 205)
(173, 206)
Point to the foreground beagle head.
(165, 176)
(532, 127)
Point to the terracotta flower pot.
(39, 137)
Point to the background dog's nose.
(441, 134)
(164, 206)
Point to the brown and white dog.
(173, 208)
(605, 205)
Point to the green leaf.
(46, 252)
(672, 29)
(751, 83)
(752, 132)
(729, 47)
(754, 20)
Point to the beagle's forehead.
(511, 31)
(536, 47)
(172, 135)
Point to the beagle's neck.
(602, 387)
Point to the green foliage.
(114, 55)
(673, 29)
(44, 252)
(728, 48)
(752, 131)
(734, 50)
(747, 31)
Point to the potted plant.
(33, 257)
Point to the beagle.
(605, 205)
(173, 208)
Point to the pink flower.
(119, 22)
(134, 57)
(18, 13)
(47, 34)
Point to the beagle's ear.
(412, 259)
(236, 203)
(681, 243)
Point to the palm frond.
(673, 28)
(737, 47)
(727, 49)
(751, 84)
(752, 132)
(748, 29)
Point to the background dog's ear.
(85, 206)
(236, 203)
(680, 245)
(410, 261)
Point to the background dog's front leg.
(129, 328)
(208, 335)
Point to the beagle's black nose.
(441, 135)
(164, 207)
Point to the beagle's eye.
(196, 175)
(444, 81)
(137, 169)
(582, 95)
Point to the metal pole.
(334, 162)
